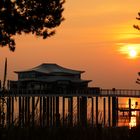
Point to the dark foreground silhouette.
(75, 133)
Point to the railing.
(60, 92)
(121, 92)
(89, 92)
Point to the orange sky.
(89, 39)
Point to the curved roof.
(49, 68)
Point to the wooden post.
(8, 112)
(48, 111)
(78, 110)
(96, 111)
(53, 111)
(104, 110)
(44, 111)
(114, 114)
(0, 109)
(92, 111)
(70, 111)
(3, 113)
(28, 109)
(57, 112)
(63, 110)
(69, 115)
(109, 111)
(129, 109)
(12, 110)
(22, 111)
(71, 121)
(20, 117)
(117, 114)
(83, 111)
(33, 111)
(40, 111)
(51, 115)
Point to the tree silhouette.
(137, 26)
(39, 17)
(138, 80)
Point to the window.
(26, 75)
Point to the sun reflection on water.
(133, 122)
(125, 119)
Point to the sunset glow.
(74, 72)
(131, 51)
(86, 40)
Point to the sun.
(133, 53)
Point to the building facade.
(49, 76)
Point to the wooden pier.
(42, 108)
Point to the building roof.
(49, 68)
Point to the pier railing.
(58, 92)
(120, 92)
(77, 92)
